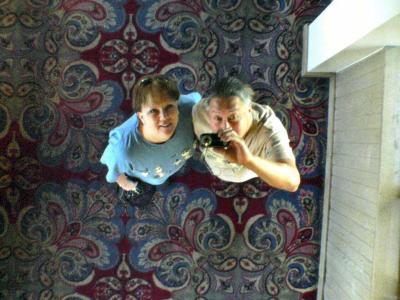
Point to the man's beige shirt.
(268, 140)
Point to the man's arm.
(282, 174)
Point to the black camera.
(212, 140)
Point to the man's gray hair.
(231, 86)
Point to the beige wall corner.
(387, 242)
(360, 245)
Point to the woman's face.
(158, 120)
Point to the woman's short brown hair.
(150, 85)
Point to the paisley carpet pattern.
(66, 71)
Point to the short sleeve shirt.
(129, 153)
(266, 138)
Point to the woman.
(155, 142)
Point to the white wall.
(360, 247)
(363, 230)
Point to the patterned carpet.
(66, 69)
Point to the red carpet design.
(66, 71)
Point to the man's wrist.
(250, 162)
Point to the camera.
(212, 140)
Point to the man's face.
(229, 113)
(159, 120)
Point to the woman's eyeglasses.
(149, 80)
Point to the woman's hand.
(125, 183)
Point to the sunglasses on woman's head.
(145, 81)
(148, 80)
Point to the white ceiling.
(348, 31)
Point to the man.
(258, 142)
(154, 143)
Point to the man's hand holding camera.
(277, 173)
(237, 150)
